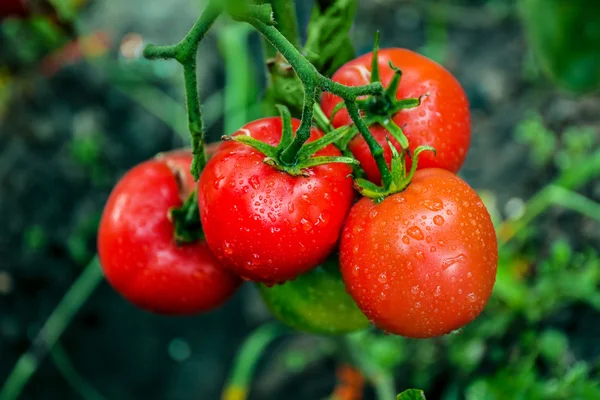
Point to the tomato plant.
(422, 262)
(315, 302)
(136, 245)
(441, 120)
(265, 224)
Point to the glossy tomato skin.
(315, 302)
(443, 119)
(264, 224)
(136, 248)
(422, 262)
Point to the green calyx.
(293, 159)
(401, 176)
(315, 302)
(186, 221)
(380, 108)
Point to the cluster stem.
(314, 82)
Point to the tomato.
(422, 262)
(442, 120)
(315, 302)
(136, 247)
(267, 225)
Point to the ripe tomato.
(136, 248)
(264, 224)
(442, 120)
(422, 262)
(315, 302)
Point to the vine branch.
(260, 17)
(185, 53)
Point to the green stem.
(185, 52)
(287, 22)
(238, 383)
(289, 155)
(195, 124)
(374, 146)
(321, 119)
(60, 318)
(73, 378)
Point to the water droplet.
(291, 208)
(418, 304)
(472, 297)
(373, 213)
(438, 220)
(217, 183)
(432, 249)
(453, 260)
(433, 204)
(405, 239)
(382, 278)
(272, 217)
(438, 291)
(415, 289)
(306, 225)
(254, 181)
(420, 255)
(228, 250)
(415, 232)
(355, 270)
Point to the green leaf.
(328, 45)
(411, 394)
(564, 36)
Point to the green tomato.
(315, 302)
(565, 37)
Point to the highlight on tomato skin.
(422, 262)
(442, 120)
(137, 251)
(267, 225)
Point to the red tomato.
(422, 262)
(267, 225)
(442, 120)
(136, 248)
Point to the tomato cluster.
(418, 259)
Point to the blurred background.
(79, 106)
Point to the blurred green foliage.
(564, 36)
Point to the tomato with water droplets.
(137, 249)
(315, 302)
(442, 120)
(267, 225)
(422, 262)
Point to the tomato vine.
(314, 83)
